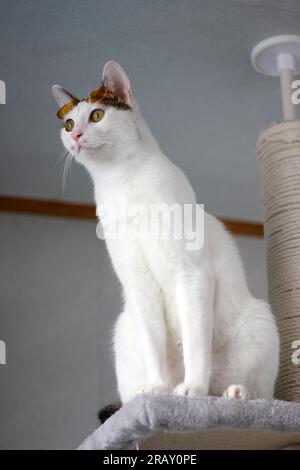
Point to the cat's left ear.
(62, 96)
(115, 78)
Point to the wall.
(58, 301)
(189, 65)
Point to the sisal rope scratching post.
(278, 150)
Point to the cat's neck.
(145, 135)
(121, 167)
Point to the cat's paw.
(156, 389)
(236, 391)
(189, 390)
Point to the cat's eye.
(97, 115)
(69, 124)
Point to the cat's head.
(104, 125)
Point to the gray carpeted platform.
(147, 415)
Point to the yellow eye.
(69, 124)
(97, 115)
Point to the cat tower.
(172, 422)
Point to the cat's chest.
(131, 240)
(128, 212)
(132, 227)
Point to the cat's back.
(162, 181)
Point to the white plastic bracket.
(279, 56)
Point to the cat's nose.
(76, 135)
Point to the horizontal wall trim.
(88, 211)
(47, 207)
(242, 227)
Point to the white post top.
(279, 56)
(272, 55)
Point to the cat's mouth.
(81, 149)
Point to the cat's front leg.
(132, 377)
(145, 305)
(194, 297)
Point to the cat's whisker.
(61, 158)
(67, 164)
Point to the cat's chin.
(85, 153)
(92, 155)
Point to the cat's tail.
(108, 411)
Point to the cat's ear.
(115, 78)
(62, 96)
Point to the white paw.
(189, 390)
(236, 391)
(156, 389)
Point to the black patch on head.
(115, 103)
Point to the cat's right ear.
(115, 78)
(62, 96)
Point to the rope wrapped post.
(278, 150)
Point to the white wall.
(189, 65)
(58, 301)
(253, 254)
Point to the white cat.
(190, 325)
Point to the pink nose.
(76, 135)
